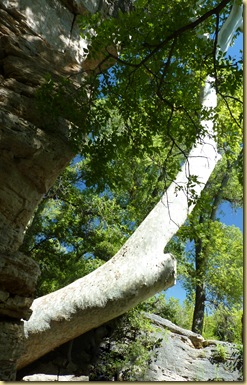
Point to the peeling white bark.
(117, 286)
(233, 22)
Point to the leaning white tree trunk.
(106, 293)
(140, 268)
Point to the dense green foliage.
(155, 85)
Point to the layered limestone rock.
(36, 38)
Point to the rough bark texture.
(200, 287)
(36, 38)
(199, 308)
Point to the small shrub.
(220, 355)
(128, 351)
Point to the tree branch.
(174, 35)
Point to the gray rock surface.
(178, 360)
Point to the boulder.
(178, 359)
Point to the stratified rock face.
(11, 336)
(36, 38)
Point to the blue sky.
(226, 214)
